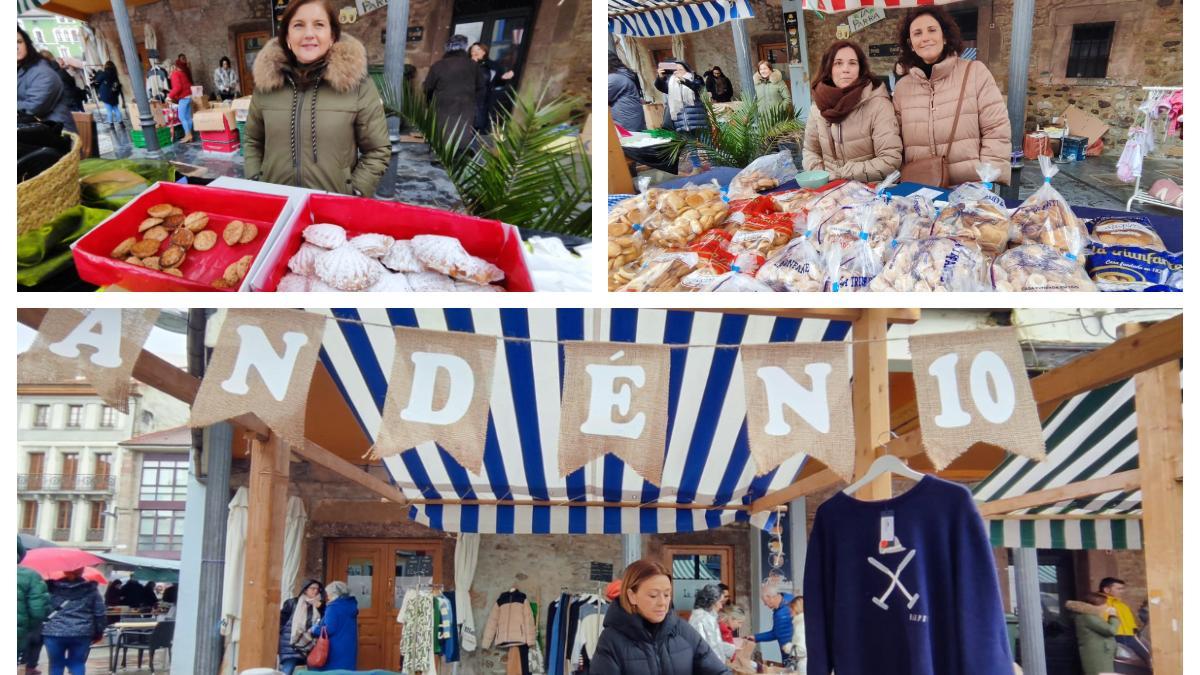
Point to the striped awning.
(652, 18)
(706, 460)
(1090, 436)
(855, 5)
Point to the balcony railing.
(60, 482)
(61, 534)
(95, 534)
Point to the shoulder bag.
(935, 170)
(320, 651)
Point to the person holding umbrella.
(76, 621)
(33, 604)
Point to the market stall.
(518, 480)
(756, 229)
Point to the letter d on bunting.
(100, 347)
(972, 388)
(440, 390)
(798, 400)
(262, 364)
(615, 401)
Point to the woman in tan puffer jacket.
(925, 99)
(851, 131)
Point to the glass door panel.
(360, 577)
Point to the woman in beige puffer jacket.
(925, 100)
(851, 131)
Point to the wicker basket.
(51, 192)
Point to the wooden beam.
(872, 413)
(619, 180)
(1160, 343)
(266, 522)
(1159, 403)
(325, 459)
(1126, 481)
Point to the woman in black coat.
(454, 85)
(642, 636)
(295, 636)
(718, 85)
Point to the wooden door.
(378, 572)
(248, 47)
(693, 568)
(69, 470)
(37, 470)
(775, 53)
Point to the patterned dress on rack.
(416, 644)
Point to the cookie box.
(200, 268)
(492, 240)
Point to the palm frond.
(739, 136)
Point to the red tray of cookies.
(200, 269)
(496, 242)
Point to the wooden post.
(1158, 400)
(619, 180)
(872, 418)
(266, 521)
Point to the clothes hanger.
(885, 464)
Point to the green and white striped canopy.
(1090, 436)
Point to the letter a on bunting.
(972, 388)
(798, 401)
(440, 390)
(100, 346)
(615, 401)
(262, 364)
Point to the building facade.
(62, 35)
(72, 470)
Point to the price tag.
(887, 528)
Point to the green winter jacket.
(33, 601)
(771, 91)
(1096, 637)
(350, 149)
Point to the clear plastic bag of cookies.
(795, 201)
(934, 264)
(797, 267)
(765, 173)
(981, 222)
(707, 270)
(850, 193)
(980, 191)
(876, 219)
(737, 281)
(915, 215)
(701, 210)
(851, 270)
(1038, 267)
(1125, 231)
(1045, 217)
(663, 273)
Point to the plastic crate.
(241, 129)
(166, 136)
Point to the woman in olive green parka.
(1095, 630)
(316, 119)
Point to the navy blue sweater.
(940, 615)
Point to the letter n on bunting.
(972, 388)
(812, 381)
(440, 390)
(100, 346)
(262, 364)
(615, 401)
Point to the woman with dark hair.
(706, 606)
(496, 81)
(182, 62)
(642, 635)
(718, 85)
(108, 88)
(851, 131)
(311, 91)
(939, 88)
(76, 620)
(181, 93)
(225, 79)
(455, 85)
(625, 95)
(683, 110)
(40, 90)
(297, 616)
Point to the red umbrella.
(52, 561)
(89, 573)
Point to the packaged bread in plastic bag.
(850, 193)
(760, 237)
(795, 201)
(1046, 217)
(797, 267)
(851, 270)
(1126, 231)
(625, 239)
(663, 273)
(707, 269)
(915, 215)
(980, 191)
(974, 213)
(737, 281)
(687, 213)
(934, 264)
(876, 219)
(1038, 267)
(765, 173)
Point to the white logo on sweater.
(895, 581)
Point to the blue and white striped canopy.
(707, 458)
(652, 18)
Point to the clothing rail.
(1139, 195)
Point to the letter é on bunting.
(798, 402)
(100, 347)
(439, 391)
(262, 364)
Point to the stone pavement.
(1093, 182)
(419, 178)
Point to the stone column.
(1018, 81)
(741, 45)
(393, 74)
(1029, 611)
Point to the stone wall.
(1129, 566)
(559, 56)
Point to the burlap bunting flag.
(798, 401)
(986, 397)
(440, 390)
(615, 401)
(99, 345)
(262, 364)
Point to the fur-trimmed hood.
(346, 65)
(1080, 607)
(774, 77)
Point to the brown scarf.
(836, 103)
